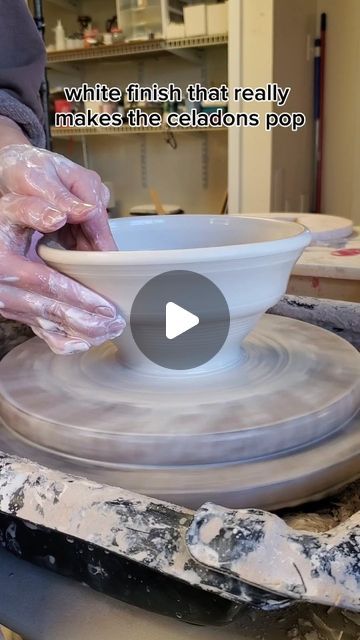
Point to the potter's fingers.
(81, 240)
(17, 317)
(87, 186)
(27, 171)
(34, 277)
(72, 321)
(76, 211)
(27, 212)
(105, 194)
(31, 321)
(83, 183)
(57, 338)
(66, 237)
(71, 237)
(59, 344)
(97, 232)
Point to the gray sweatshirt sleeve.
(22, 63)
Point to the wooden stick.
(224, 204)
(155, 199)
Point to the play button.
(179, 320)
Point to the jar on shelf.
(117, 35)
(91, 37)
(140, 19)
(107, 38)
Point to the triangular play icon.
(178, 320)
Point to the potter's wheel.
(278, 428)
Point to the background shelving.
(68, 5)
(267, 42)
(67, 132)
(194, 174)
(131, 49)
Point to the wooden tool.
(224, 204)
(155, 199)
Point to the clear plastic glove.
(46, 192)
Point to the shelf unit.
(267, 40)
(67, 132)
(128, 50)
(192, 50)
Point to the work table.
(329, 270)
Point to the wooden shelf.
(70, 5)
(126, 50)
(76, 132)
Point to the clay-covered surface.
(123, 544)
(342, 318)
(319, 567)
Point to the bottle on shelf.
(60, 39)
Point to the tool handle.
(155, 198)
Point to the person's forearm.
(10, 133)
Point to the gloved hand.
(46, 192)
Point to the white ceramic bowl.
(249, 259)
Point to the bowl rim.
(292, 242)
